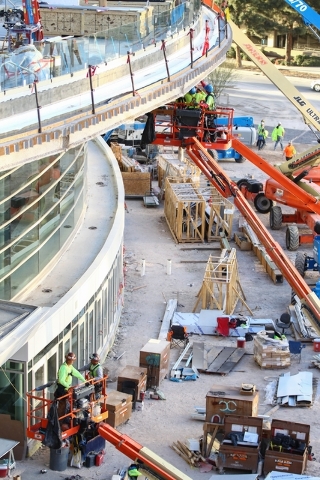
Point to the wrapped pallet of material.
(271, 353)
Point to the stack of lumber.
(270, 353)
(193, 458)
(126, 164)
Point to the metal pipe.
(163, 48)
(191, 46)
(131, 73)
(37, 103)
(91, 68)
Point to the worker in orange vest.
(289, 151)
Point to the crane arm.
(310, 114)
(226, 187)
(310, 201)
(137, 452)
(310, 157)
(310, 17)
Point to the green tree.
(223, 77)
(262, 16)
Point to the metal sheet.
(288, 476)
(295, 385)
(7, 445)
(238, 476)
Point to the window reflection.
(40, 203)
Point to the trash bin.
(59, 459)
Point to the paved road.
(253, 94)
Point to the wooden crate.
(169, 166)
(135, 375)
(136, 183)
(244, 455)
(184, 210)
(243, 241)
(287, 461)
(155, 356)
(222, 400)
(119, 406)
(219, 216)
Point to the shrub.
(244, 56)
(299, 59)
(231, 53)
(311, 62)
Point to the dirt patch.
(287, 72)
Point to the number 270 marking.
(299, 4)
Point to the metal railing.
(69, 55)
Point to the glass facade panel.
(40, 203)
(66, 348)
(82, 359)
(12, 393)
(91, 337)
(75, 341)
(39, 377)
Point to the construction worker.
(64, 381)
(65, 374)
(190, 98)
(289, 151)
(95, 371)
(200, 97)
(210, 98)
(277, 135)
(262, 135)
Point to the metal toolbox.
(236, 450)
(289, 460)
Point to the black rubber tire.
(242, 182)
(317, 87)
(275, 220)
(241, 159)
(214, 154)
(262, 203)
(292, 238)
(300, 264)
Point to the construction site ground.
(163, 422)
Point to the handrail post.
(191, 46)
(131, 73)
(163, 48)
(91, 70)
(37, 103)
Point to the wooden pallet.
(219, 360)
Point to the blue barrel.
(59, 459)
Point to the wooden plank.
(217, 362)
(213, 436)
(234, 358)
(213, 353)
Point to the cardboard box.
(289, 461)
(133, 378)
(155, 356)
(244, 455)
(243, 241)
(218, 398)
